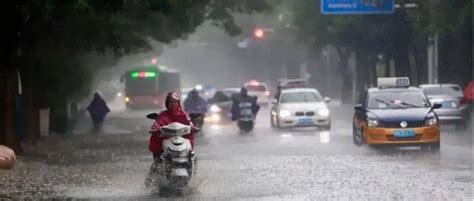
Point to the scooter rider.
(237, 106)
(195, 103)
(173, 113)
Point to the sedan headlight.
(323, 112)
(284, 113)
(215, 108)
(431, 121)
(372, 123)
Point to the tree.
(399, 36)
(45, 41)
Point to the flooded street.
(266, 164)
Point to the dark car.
(220, 106)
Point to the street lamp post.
(433, 68)
(327, 54)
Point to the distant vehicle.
(205, 91)
(291, 83)
(260, 90)
(396, 114)
(300, 107)
(288, 84)
(450, 96)
(147, 86)
(221, 105)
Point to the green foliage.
(357, 30)
(56, 33)
(406, 28)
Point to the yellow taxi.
(394, 113)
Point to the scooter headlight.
(215, 108)
(215, 118)
(183, 130)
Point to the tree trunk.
(402, 64)
(387, 65)
(11, 139)
(421, 57)
(343, 67)
(362, 71)
(31, 111)
(3, 104)
(372, 66)
(315, 68)
(12, 23)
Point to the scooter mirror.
(152, 116)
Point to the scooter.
(246, 126)
(246, 120)
(179, 160)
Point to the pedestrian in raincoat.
(98, 110)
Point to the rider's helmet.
(171, 96)
(243, 91)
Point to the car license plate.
(447, 104)
(305, 121)
(404, 133)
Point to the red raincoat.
(167, 117)
(469, 92)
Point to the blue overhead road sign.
(357, 6)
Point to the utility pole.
(436, 66)
(433, 67)
(327, 55)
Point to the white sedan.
(301, 107)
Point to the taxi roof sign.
(393, 82)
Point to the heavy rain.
(236, 100)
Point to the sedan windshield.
(397, 100)
(452, 91)
(300, 97)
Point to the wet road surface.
(267, 164)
